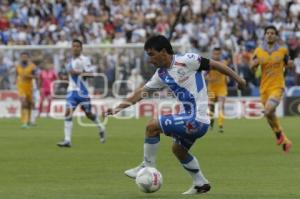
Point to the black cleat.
(197, 189)
(64, 144)
(102, 135)
(221, 129)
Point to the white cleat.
(133, 172)
(197, 189)
(102, 135)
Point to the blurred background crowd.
(235, 25)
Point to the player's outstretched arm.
(136, 96)
(222, 68)
(254, 63)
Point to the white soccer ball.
(149, 180)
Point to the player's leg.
(151, 144)
(34, 107)
(186, 130)
(49, 100)
(94, 117)
(42, 99)
(191, 165)
(24, 111)
(68, 126)
(270, 109)
(221, 103)
(211, 105)
(71, 104)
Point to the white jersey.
(80, 64)
(185, 79)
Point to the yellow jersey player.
(217, 90)
(272, 59)
(25, 71)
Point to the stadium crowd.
(235, 25)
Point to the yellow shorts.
(271, 93)
(25, 93)
(214, 93)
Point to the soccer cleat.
(102, 135)
(287, 146)
(64, 144)
(281, 139)
(197, 189)
(221, 129)
(25, 126)
(133, 172)
(212, 122)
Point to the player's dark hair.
(217, 48)
(77, 41)
(25, 53)
(271, 27)
(158, 43)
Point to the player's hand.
(290, 64)
(242, 84)
(254, 64)
(111, 111)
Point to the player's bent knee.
(68, 113)
(152, 128)
(269, 113)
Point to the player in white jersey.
(183, 75)
(77, 94)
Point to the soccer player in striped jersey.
(78, 93)
(183, 75)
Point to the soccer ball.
(149, 180)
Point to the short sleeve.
(196, 62)
(155, 83)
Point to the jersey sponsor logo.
(179, 123)
(181, 72)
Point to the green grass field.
(242, 163)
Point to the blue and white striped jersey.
(186, 80)
(76, 82)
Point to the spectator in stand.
(221, 22)
(135, 80)
(297, 70)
